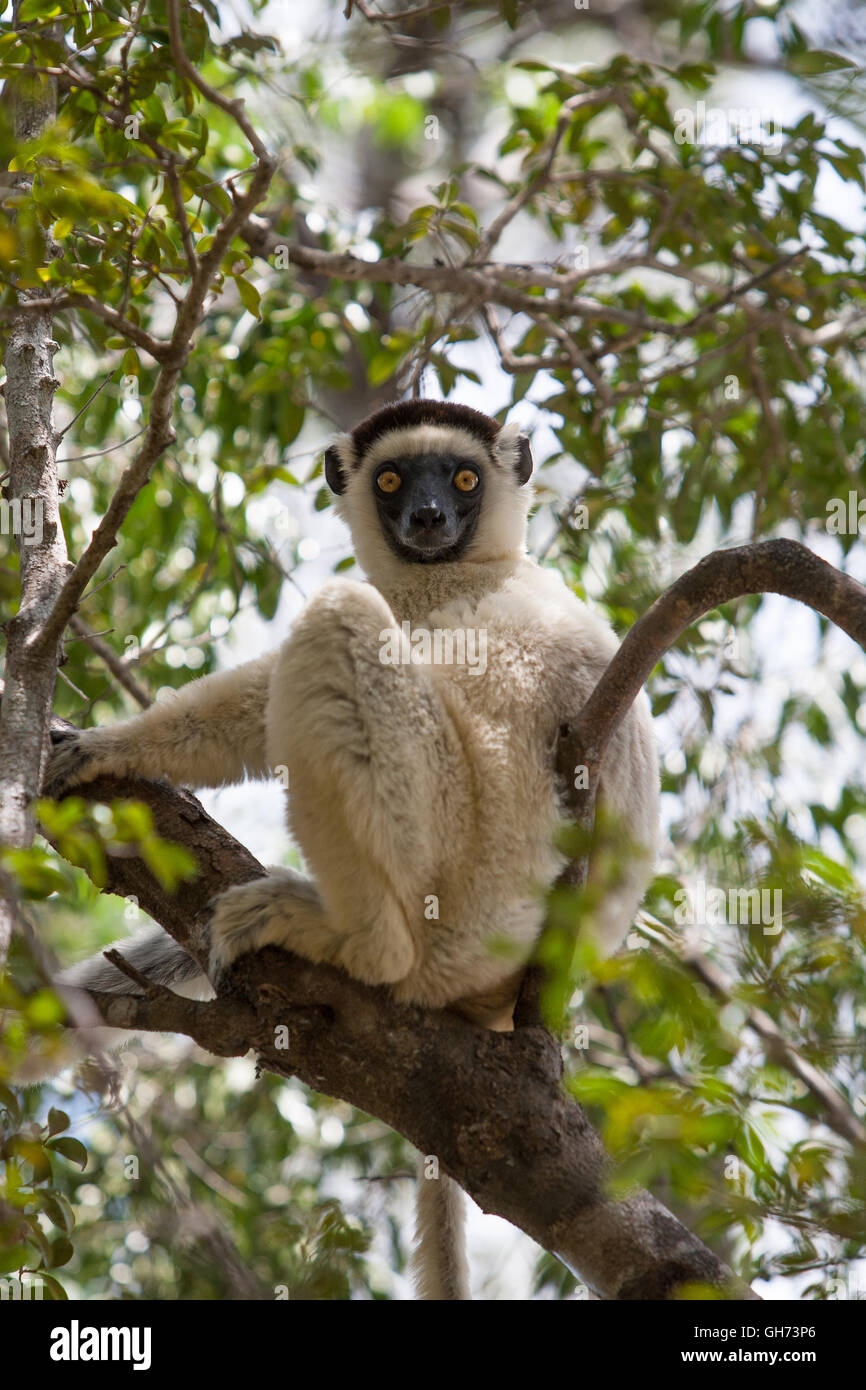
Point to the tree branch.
(490, 1105)
(116, 665)
(775, 567)
(29, 394)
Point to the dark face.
(428, 506)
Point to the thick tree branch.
(506, 1118)
(490, 1105)
(34, 497)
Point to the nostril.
(428, 517)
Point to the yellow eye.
(389, 481)
(466, 480)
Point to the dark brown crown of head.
(406, 414)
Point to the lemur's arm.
(210, 733)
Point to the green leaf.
(37, 874)
(53, 1288)
(9, 1102)
(250, 297)
(382, 367)
(58, 1120)
(12, 1258)
(37, 9)
(58, 1210)
(62, 1252)
(818, 61)
(70, 1148)
(44, 1009)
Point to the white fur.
(414, 783)
(505, 449)
(439, 1259)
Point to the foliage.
(32, 1200)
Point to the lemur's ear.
(511, 449)
(333, 470)
(523, 462)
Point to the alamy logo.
(846, 516)
(22, 516)
(17, 1289)
(708, 906)
(696, 125)
(438, 646)
(76, 1343)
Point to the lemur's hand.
(71, 762)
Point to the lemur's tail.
(439, 1261)
(152, 952)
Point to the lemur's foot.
(268, 911)
(284, 909)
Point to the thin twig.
(118, 668)
(90, 399)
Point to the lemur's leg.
(210, 733)
(376, 776)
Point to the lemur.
(411, 780)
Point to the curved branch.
(768, 567)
